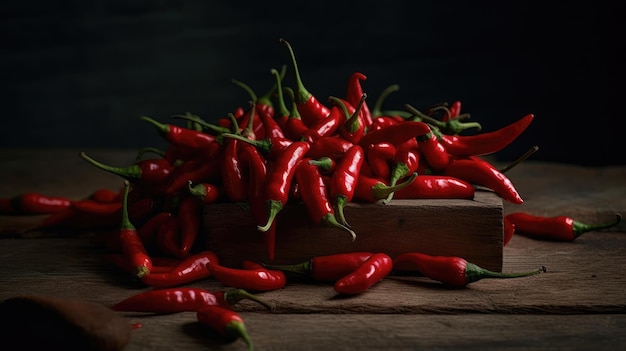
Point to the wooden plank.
(466, 228)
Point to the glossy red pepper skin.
(186, 138)
(143, 172)
(168, 239)
(326, 126)
(378, 158)
(344, 179)
(206, 193)
(485, 143)
(370, 272)
(450, 270)
(354, 94)
(327, 268)
(106, 195)
(508, 230)
(191, 269)
(480, 172)
(225, 322)
(395, 134)
(95, 207)
(436, 187)
(233, 179)
(433, 151)
(557, 228)
(148, 231)
(198, 172)
(34, 203)
(132, 246)
(371, 189)
(190, 214)
(333, 147)
(258, 279)
(355, 125)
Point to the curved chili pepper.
(120, 261)
(436, 187)
(404, 162)
(197, 171)
(343, 182)
(185, 137)
(395, 134)
(381, 122)
(183, 299)
(148, 231)
(371, 189)
(327, 268)
(480, 172)
(207, 193)
(370, 272)
(225, 322)
(190, 216)
(433, 151)
(95, 207)
(328, 125)
(132, 246)
(310, 108)
(257, 279)
(558, 228)
(487, 142)
(354, 127)
(450, 270)
(278, 180)
(333, 147)
(190, 269)
(233, 179)
(314, 194)
(34, 203)
(149, 171)
(354, 95)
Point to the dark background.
(80, 73)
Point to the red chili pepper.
(354, 94)
(265, 109)
(186, 138)
(258, 279)
(370, 272)
(454, 110)
(182, 299)
(558, 228)
(485, 143)
(98, 208)
(404, 162)
(381, 122)
(378, 158)
(106, 195)
(168, 239)
(295, 126)
(509, 230)
(132, 246)
(149, 171)
(310, 108)
(436, 187)
(190, 269)
(278, 179)
(233, 179)
(327, 268)
(354, 127)
(33, 203)
(314, 194)
(480, 172)
(450, 270)
(148, 231)
(433, 151)
(371, 189)
(271, 147)
(225, 322)
(328, 125)
(344, 179)
(207, 193)
(198, 172)
(395, 134)
(333, 147)
(190, 217)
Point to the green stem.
(266, 99)
(398, 171)
(238, 329)
(520, 159)
(206, 125)
(303, 268)
(132, 172)
(248, 132)
(452, 126)
(323, 163)
(580, 228)
(354, 123)
(341, 202)
(126, 224)
(282, 107)
(475, 273)
(381, 191)
(377, 109)
(233, 296)
(331, 221)
(145, 150)
(264, 145)
(274, 207)
(161, 127)
(302, 94)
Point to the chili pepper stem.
(132, 172)
(341, 202)
(303, 268)
(475, 273)
(330, 221)
(579, 228)
(382, 191)
(399, 170)
(239, 329)
(274, 208)
(233, 296)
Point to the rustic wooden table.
(578, 304)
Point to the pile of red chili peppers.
(286, 146)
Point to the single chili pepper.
(558, 228)
(182, 299)
(370, 272)
(190, 217)
(106, 195)
(451, 126)
(191, 269)
(207, 193)
(436, 187)
(372, 189)
(395, 134)
(404, 162)
(450, 270)
(233, 178)
(148, 231)
(354, 127)
(95, 207)
(433, 151)
(295, 126)
(343, 182)
(259, 279)
(327, 268)
(480, 172)
(378, 158)
(168, 238)
(33, 203)
(225, 322)
(333, 147)
(487, 142)
(509, 230)
(310, 108)
(314, 194)
(131, 243)
(278, 180)
(185, 137)
(354, 95)
(149, 171)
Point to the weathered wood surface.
(578, 304)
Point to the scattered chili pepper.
(95, 207)
(224, 321)
(327, 268)
(198, 172)
(314, 194)
(190, 269)
(149, 171)
(131, 243)
(450, 270)
(310, 108)
(343, 181)
(183, 299)
(32, 203)
(258, 279)
(558, 228)
(370, 272)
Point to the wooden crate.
(471, 229)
